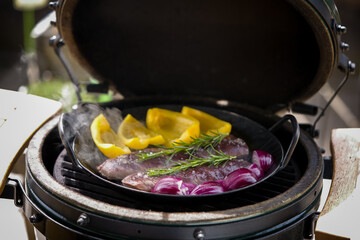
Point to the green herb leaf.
(213, 160)
(205, 141)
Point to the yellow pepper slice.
(208, 123)
(173, 126)
(106, 139)
(135, 135)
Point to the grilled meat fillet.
(197, 175)
(127, 164)
(131, 170)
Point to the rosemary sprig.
(212, 160)
(149, 155)
(204, 141)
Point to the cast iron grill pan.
(76, 137)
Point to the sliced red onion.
(188, 187)
(257, 171)
(220, 181)
(263, 159)
(211, 187)
(239, 178)
(172, 185)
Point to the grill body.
(283, 207)
(168, 52)
(289, 48)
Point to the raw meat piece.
(195, 175)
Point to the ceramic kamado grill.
(231, 58)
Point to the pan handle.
(68, 139)
(294, 139)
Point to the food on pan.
(106, 139)
(173, 126)
(182, 153)
(223, 156)
(208, 123)
(195, 175)
(232, 174)
(163, 127)
(158, 158)
(135, 135)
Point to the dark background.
(13, 65)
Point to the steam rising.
(76, 124)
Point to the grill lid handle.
(57, 43)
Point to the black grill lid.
(263, 53)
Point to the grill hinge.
(14, 191)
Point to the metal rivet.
(199, 234)
(53, 40)
(35, 218)
(56, 41)
(351, 67)
(341, 29)
(344, 46)
(83, 219)
(53, 5)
